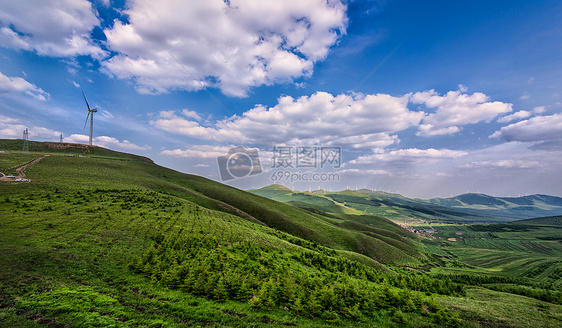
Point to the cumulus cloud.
(11, 128)
(410, 155)
(191, 114)
(233, 45)
(106, 142)
(52, 28)
(515, 116)
(536, 129)
(198, 151)
(363, 121)
(181, 124)
(11, 85)
(358, 121)
(456, 109)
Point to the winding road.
(21, 170)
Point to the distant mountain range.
(465, 208)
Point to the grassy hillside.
(547, 221)
(135, 172)
(16, 146)
(521, 259)
(117, 241)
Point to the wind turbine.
(91, 116)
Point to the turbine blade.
(86, 101)
(87, 117)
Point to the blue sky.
(422, 98)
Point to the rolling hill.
(121, 170)
(109, 239)
(466, 208)
(546, 221)
(112, 239)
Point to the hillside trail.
(21, 170)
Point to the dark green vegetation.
(467, 208)
(321, 285)
(116, 240)
(545, 221)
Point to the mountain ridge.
(470, 207)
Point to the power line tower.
(25, 149)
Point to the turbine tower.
(91, 116)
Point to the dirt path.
(21, 170)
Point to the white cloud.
(359, 121)
(503, 164)
(515, 116)
(428, 130)
(363, 121)
(10, 85)
(169, 121)
(198, 151)
(233, 45)
(539, 109)
(106, 142)
(456, 109)
(76, 84)
(525, 95)
(52, 28)
(408, 155)
(364, 172)
(11, 128)
(538, 128)
(191, 114)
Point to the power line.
(366, 77)
(203, 86)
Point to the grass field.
(68, 238)
(507, 249)
(117, 241)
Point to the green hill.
(66, 148)
(109, 239)
(547, 221)
(112, 239)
